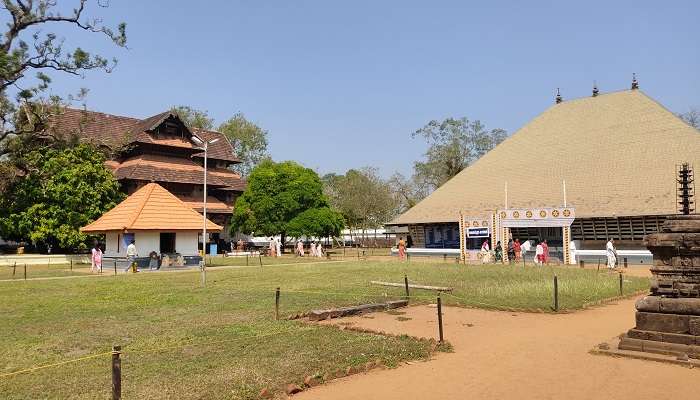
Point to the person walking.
(539, 251)
(545, 252)
(96, 259)
(312, 249)
(485, 252)
(131, 255)
(517, 248)
(278, 246)
(511, 251)
(402, 249)
(611, 252)
(498, 250)
(300, 248)
(271, 248)
(319, 250)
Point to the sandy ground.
(505, 355)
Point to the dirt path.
(506, 355)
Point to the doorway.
(167, 242)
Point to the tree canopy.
(276, 194)
(63, 190)
(316, 222)
(28, 47)
(194, 118)
(248, 139)
(692, 117)
(249, 142)
(453, 144)
(362, 197)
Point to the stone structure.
(668, 319)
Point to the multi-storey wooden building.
(159, 149)
(612, 157)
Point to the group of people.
(315, 249)
(515, 251)
(275, 247)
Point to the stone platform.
(668, 320)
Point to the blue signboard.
(213, 248)
(478, 232)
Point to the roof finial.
(595, 89)
(635, 84)
(558, 98)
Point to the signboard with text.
(480, 232)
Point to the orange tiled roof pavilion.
(151, 208)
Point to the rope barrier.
(36, 368)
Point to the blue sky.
(343, 84)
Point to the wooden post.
(405, 282)
(277, 304)
(598, 269)
(444, 257)
(115, 267)
(25, 272)
(203, 274)
(624, 261)
(620, 275)
(246, 260)
(582, 263)
(71, 266)
(439, 312)
(14, 269)
(556, 294)
(260, 258)
(116, 373)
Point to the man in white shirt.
(611, 252)
(539, 254)
(131, 255)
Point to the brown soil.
(506, 355)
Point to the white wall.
(112, 245)
(186, 243)
(146, 242)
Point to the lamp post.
(204, 145)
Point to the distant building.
(607, 162)
(159, 149)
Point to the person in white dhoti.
(278, 245)
(611, 252)
(312, 249)
(572, 253)
(319, 250)
(485, 253)
(300, 248)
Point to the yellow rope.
(32, 369)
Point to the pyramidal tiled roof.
(151, 208)
(617, 152)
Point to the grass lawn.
(183, 341)
(43, 270)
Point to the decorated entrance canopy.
(151, 208)
(502, 220)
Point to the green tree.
(28, 47)
(249, 142)
(317, 222)
(194, 118)
(362, 197)
(63, 190)
(276, 194)
(453, 144)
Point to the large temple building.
(160, 149)
(599, 167)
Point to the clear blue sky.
(343, 84)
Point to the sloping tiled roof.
(232, 180)
(618, 153)
(114, 131)
(151, 208)
(214, 205)
(159, 168)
